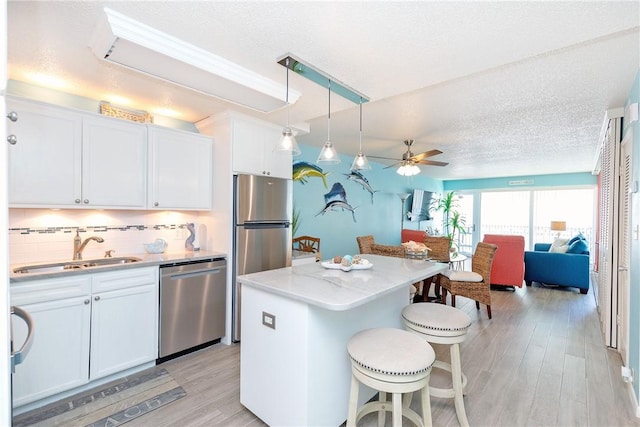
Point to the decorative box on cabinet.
(83, 329)
(180, 171)
(67, 159)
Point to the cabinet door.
(59, 356)
(253, 145)
(278, 163)
(45, 164)
(181, 170)
(248, 148)
(124, 329)
(114, 163)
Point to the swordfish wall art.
(336, 198)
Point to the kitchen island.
(296, 322)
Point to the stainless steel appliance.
(192, 304)
(262, 238)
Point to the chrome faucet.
(79, 245)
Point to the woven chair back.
(364, 244)
(483, 259)
(387, 250)
(439, 248)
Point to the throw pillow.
(578, 247)
(578, 236)
(559, 245)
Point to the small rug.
(112, 404)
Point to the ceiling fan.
(408, 158)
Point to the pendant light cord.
(287, 98)
(329, 115)
(361, 125)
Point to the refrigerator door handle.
(255, 225)
(18, 356)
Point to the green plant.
(452, 220)
(295, 221)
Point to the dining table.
(296, 322)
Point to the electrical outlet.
(627, 374)
(269, 320)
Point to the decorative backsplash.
(41, 235)
(94, 229)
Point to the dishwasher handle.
(18, 356)
(193, 273)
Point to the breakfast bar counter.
(296, 322)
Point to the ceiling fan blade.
(393, 165)
(432, 163)
(386, 158)
(426, 154)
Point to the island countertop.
(338, 290)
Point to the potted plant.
(453, 221)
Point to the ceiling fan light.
(360, 162)
(415, 170)
(328, 154)
(288, 143)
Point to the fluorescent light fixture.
(132, 44)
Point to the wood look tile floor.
(539, 362)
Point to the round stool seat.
(390, 354)
(391, 361)
(437, 320)
(442, 324)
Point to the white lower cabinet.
(86, 328)
(124, 320)
(59, 356)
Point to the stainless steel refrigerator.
(262, 238)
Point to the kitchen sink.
(74, 265)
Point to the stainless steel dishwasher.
(192, 304)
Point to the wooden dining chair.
(306, 244)
(474, 284)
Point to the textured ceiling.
(502, 88)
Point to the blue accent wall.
(382, 218)
(634, 267)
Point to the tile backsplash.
(40, 235)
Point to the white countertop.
(338, 290)
(146, 260)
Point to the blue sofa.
(563, 269)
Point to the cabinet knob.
(156, 204)
(13, 116)
(87, 301)
(12, 139)
(96, 298)
(86, 201)
(78, 200)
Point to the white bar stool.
(390, 361)
(442, 324)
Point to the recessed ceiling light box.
(137, 46)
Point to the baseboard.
(632, 396)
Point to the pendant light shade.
(287, 141)
(360, 162)
(328, 154)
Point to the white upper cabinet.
(180, 170)
(67, 159)
(114, 163)
(253, 144)
(45, 165)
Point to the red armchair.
(508, 263)
(413, 235)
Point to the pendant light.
(288, 140)
(360, 162)
(328, 154)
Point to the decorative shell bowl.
(157, 247)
